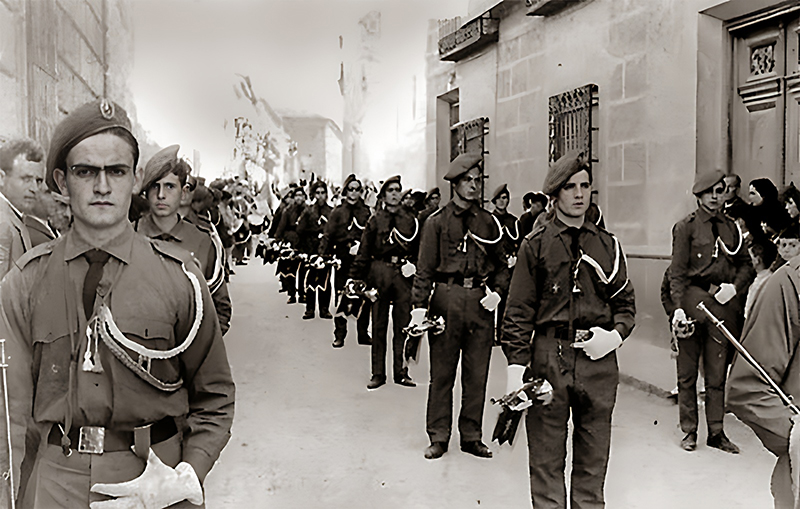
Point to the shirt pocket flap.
(148, 329)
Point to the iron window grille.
(470, 136)
(572, 115)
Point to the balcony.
(548, 7)
(469, 39)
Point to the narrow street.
(308, 434)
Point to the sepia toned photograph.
(399, 254)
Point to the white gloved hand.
(158, 487)
(678, 316)
(512, 260)
(408, 269)
(794, 453)
(725, 293)
(354, 248)
(417, 317)
(600, 344)
(491, 300)
(514, 382)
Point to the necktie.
(574, 233)
(97, 259)
(714, 228)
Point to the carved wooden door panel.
(757, 108)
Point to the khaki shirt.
(14, 237)
(152, 301)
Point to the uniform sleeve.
(360, 265)
(745, 273)
(223, 306)
(521, 308)
(326, 243)
(679, 271)
(623, 301)
(211, 391)
(426, 264)
(771, 337)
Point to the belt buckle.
(395, 259)
(91, 439)
(468, 282)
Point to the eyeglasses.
(357, 189)
(88, 172)
(394, 189)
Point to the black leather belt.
(466, 282)
(112, 440)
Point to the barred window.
(572, 115)
(470, 136)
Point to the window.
(571, 122)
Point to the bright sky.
(188, 52)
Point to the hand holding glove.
(354, 248)
(158, 487)
(600, 344)
(512, 260)
(725, 293)
(491, 300)
(514, 382)
(408, 269)
(678, 317)
(417, 317)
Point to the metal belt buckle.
(91, 439)
(468, 282)
(395, 259)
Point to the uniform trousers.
(708, 341)
(586, 390)
(64, 482)
(468, 336)
(324, 295)
(393, 290)
(340, 322)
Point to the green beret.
(160, 165)
(388, 181)
(706, 180)
(83, 122)
(562, 170)
(500, 190)
(462, 164)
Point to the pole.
(787, 400)
(4, 368)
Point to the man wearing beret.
(709, 264)
(310, 228)
(115, 353)
(164, 185)
(510, 242)
(460, 257)
(385, 260)
(432, 200)
(570, 291)
(341, 239)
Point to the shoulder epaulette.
(169, 250)
(436, 213)
(536, 231)
(35, 252)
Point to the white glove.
(512, 260)
(408, 269)
(417, 317)
(725, 293)
(158, 487)
(354, 248)
(514, 382)
(678, 316)
(491, 300)
(794, 455)
(601, 343)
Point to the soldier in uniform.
(709, 264)
(432, 200)
(310, 229)
(570, 276)
(341, 239)
(510, 242)
(164, 184)
(287, 232)
(116, 353)
(385, 260)
(460, 257)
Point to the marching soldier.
(710, 265)
(432, 200)
(509, 243)
(164, 183)
(310, 229)
(386, 261)
(570, 277)
(287, 232)
(461, 259)
(115, 350)
(341, 239)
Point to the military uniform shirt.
(380, 242)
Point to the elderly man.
(570, 282)
(460, 258)
(21, 175)
(710, 265)
(115, 353)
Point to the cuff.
(200, 462)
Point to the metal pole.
(4, 368)
(787, 400)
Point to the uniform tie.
(574, 233)
(97, 259)
(714, 228)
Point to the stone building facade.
(319, 145)
(655, 90)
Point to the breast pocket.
(51, 361)
(156, 335)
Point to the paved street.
(308, 434)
